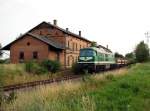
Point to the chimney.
(107, 46)
(55, 22)
(67, 29)
(79, 33)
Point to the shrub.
(29, 66)
(52, 66)
(34, 67)
(4, 61)
(55, 66)
(38, 69)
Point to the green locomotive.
(96, 59)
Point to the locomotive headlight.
(82, 58)
(89, 58)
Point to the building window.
(35, 55)
(73, 47)
(76, 47)
(68, 61)
(80, 46)
(68, 44)
(21, 56)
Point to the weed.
(110, 77)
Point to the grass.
(123, 90)
(15, 73)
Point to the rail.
(37, 83)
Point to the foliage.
(16, 74)
(52, 66)
(117, 55)
(34, 67)
(2, 61)
(1, 51)
(93, 44)
(142, 52)
(130, 57)
(29, 66)
(5, 61)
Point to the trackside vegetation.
(123, 90)
(28, 72)
(41, 68)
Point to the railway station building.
(47, 41)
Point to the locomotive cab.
(86, 59)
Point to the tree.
(1, 51)
(93, 44)
(129, 55)
(142, 52)
(117, 55)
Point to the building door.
(70, 60)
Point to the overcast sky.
(119, 23)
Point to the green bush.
(35, 68)
(29, 66)
(4, 61)
(51, 66)
(38, 69)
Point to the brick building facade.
(47, 41)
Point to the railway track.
(41, 82)
(37, 83)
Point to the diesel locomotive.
(98, 58)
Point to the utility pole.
(147, 37)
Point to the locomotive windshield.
(87, 52)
